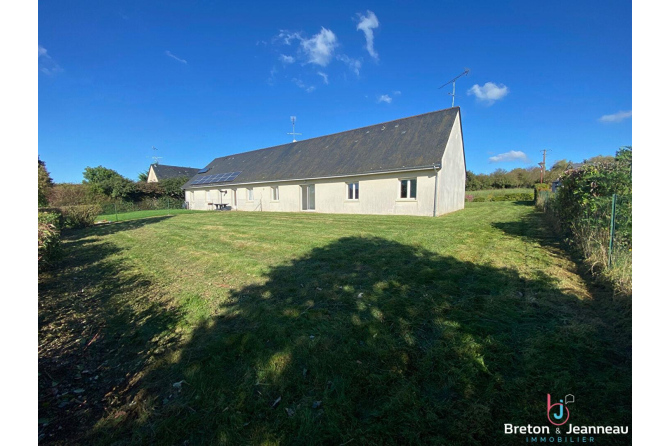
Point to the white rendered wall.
(378, 194)
(451, 177)
(151, 178)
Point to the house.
(410, 166)
(158, 172)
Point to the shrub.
(581, 210)
(51, 216)
(80, 216)
(71, 194)
(48, 244)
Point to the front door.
(308, 196)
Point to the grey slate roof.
(164, 172)
(417, 141)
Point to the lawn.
(495, 192)
(267, 328)
(124, 216)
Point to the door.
(308, 197)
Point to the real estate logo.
(558, 413)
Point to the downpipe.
(435, 193)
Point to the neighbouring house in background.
(158, 172)
(410, 166)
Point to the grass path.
(262, 328)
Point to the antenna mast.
(293, 132)
(155, 158)
(453, 81)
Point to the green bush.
(51, 216)
(48, 244)
(80, 216)
(581, 210)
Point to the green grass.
(124, 216)
(494, 192)
(266, 328)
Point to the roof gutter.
(433, 166)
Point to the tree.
(44, 184)
(143, 176)
(599, 159)
(172, 186)
(108, 182)
(472, 182)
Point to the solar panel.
(233, 176)
(217, 178)
(203, 170)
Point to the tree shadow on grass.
(615, 310)
(114, 227)
(92, 343)
(368, 341)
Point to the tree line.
(524, 177)
(101, 185)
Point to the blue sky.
(198, 80)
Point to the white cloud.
(353, 64)
(271, 79)
(302, 85)
(45, 63)
(319, 48)
(397, 92)
(169, 54)
(324, 76)
(367, 23)
(286, 37)
(512, 155)
(286, 60)
(384, 98)
(489, 92)
(616, 117)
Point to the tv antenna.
(155, 158)
(293, 132)
(453, 81)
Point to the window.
(308, 197)
(408, 188)
(250, 194)
(275, 193)
(352, 191)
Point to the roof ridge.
(337, 133)
(170, 165)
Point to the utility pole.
(543, 165)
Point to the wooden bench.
(221, 206)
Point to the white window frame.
(275, 193)
(356, 191)
(409, 189)
(250, 194)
